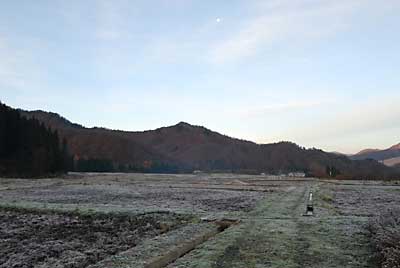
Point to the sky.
(320, 73)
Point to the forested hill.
(185, 148)
(28, 147)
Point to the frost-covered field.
(81, 219)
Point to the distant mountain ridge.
(389, 156)
(366, 151)
(184, 147)
(395, 147)
(50, 119)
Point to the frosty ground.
(161, 212)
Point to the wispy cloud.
(11, 75)
(288, 106)
(355, 119)
(20, 69)
(284, 23)
(109, 16)
(104, 34)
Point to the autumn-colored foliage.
(184, 147)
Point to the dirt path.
(276, 234)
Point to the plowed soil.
(69, 240)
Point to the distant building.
(297, 174)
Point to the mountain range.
(185, 148)
(389, 156)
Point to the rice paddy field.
(204, 220)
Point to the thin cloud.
(288, 22)
(107, 34)
(10, 67)
(372, 115)
(110, 18)
(20, 68)
(283, 107)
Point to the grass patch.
(326, 198)
(385, 238)
(92, 213)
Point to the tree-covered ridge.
(187, 148)
(28, 147)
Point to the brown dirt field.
(68, 240)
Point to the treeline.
(28, 148)
(94, 165)
(106, 165)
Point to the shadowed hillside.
(28, 147)
(184, 147)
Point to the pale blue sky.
(320, 73)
